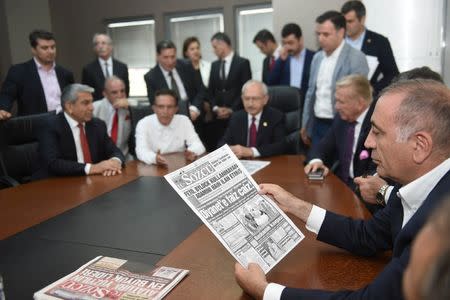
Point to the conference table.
(51, 227)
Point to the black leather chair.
(137, 112)
(19, 156)
(289, 100)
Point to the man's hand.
(369, 187)
(161, 160)
(304, 136)
(241, 151)
(108, 167)
(4, 115)
(121, 103)
(194, 115)
(312, 167)
(223, 112)
(252, 280)
(283, 53)
(189, 155)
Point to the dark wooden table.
(311, 264)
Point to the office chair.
(289, 100)
(19, 155)
(137, 112)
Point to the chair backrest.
(289, 100)
(137, 112)
(19, 145)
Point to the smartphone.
(316, 175)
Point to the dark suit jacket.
(228, 93)
(191, 81)
(58, 152)
(375, 44)
(93, 76)
(281, 73)
(270, 139)
(332, 146)
(22, 84)
(382, 232)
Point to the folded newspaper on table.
(253, 166)
(225, 197)
(113, 278)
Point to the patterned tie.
(106, 70)
(174, 85)
(253, 132)
(348, 151)
(84, 145)
(115, 127)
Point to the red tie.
(272, 63)
(115, 127)
(253, 132)
(84, 145)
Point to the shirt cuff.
(87, 168)
(273, 291)
(215, 108)
(314, 160)
(315, 219)
(388, 193)
(118, 159)
(194, 108)
(255, 152)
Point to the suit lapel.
(90, 135)
(98, 70)
(36, 81)
(340, 63)
(67, 137)
(262, 126)
(160, 77)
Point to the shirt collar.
(300, 55)
(337, 51)
(257, 117)
(229, 57)
(39, 65)
(358, 41)
(72, 122)
(102, 61)
(415, 192)
(108, 104)
(161, 126)
(362, 116)
(165, 72)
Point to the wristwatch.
(381, 195)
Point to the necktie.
(115, 127)
(222, 69)
(174, 85)
(348, 151)
(106, 70)
(272, 63)
(252, 134)
(84, 145)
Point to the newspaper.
(113, 278)
(253, 166)
(225, 197)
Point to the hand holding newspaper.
(225, 197)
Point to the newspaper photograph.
(113, 278)
(225, 197)
(253, 166)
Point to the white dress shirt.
(357, 44)
(257, 118)
(109, 63)
(296, 69)
(50, 84)
(152, 136)
(411, 195)
(76, 137)
(323, 106)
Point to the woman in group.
(192, 52)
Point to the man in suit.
(294, 63)
(258, 130)
(36, 84)
(347, 135)
(334, 61)
(113, 110)
(266, 43)
(373, 45)
(228, 74)
(75, 143)
(103, 66)
(177, 75)
(428, 272)
(409, 142)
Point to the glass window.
(134, 44)
(202, 25)
(249, 21)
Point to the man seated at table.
(75, 143)
(113, 109)
(258, 130)
(166, 132)
(347, 134)
(410, 145)
(427, 275)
